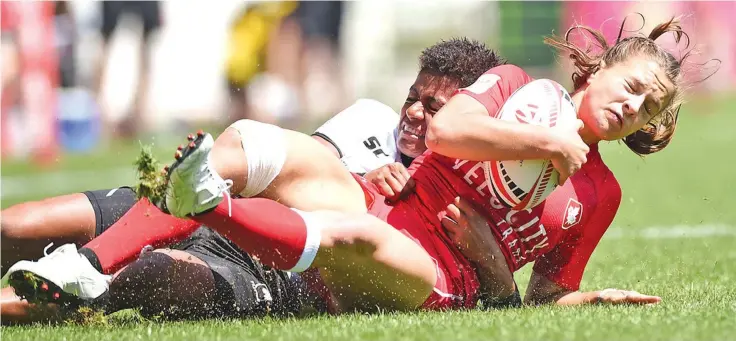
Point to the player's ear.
(601, 66)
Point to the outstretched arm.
(542, 291)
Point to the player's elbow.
(439, 136)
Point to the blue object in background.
(79, 120)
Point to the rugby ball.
(523, 184)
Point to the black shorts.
(244, 287)
(110, 205)
(149, 13)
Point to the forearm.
(465, 131)
(577, 297)
(565, 298)
(496, 280)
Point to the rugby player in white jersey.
(206, 275)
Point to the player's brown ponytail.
(658, 133)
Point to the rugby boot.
(193, 186)
(63, 276)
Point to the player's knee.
(264, 147)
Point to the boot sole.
(38, 290)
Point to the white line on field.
(672, 232)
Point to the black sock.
(91, 257)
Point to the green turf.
(689, 184)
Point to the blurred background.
(84, 83)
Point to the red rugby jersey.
(560, 234)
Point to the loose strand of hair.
(622, 29)
(674, 26)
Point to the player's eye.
(411, 100)
(648, 110)
(629, 88)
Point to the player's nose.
(415, 111)
(632, 105)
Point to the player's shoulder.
(506, 79)
(373, 106)
(363, 115)
(509, 72)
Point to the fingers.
(395, 184)
(579, 125)
(401, 172)
(393, 180)
(562, 177)
(450, 225)
(637, 298)
(454, 212)
(628, 297)
(465, 207)
(384, 187)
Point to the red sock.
(266, 229)
(144, 224)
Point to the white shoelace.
(46, 249)
(226, 189)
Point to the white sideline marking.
(672, 232)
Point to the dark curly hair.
(460, 58)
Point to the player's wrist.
(602, 296)
(553, 146)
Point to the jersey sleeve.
(495, 86)
(565, 264)
(364, 135)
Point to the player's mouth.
(413, 132)
(615, 118)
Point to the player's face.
(427, 95)
(622, 98)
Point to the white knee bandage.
(265, 152)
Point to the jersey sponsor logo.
(483, 83)
(573, 214)
(374, 146)
(522, 232)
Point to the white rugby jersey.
(364, 135)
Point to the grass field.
(675, 236)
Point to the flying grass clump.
(151, 181)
